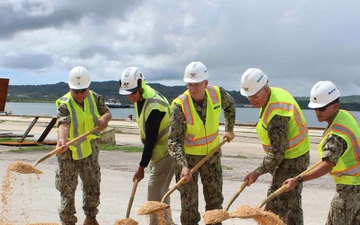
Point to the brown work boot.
(89, 220)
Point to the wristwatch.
(300, 179)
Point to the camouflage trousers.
(212, 182)
(66, 181)
(345, 206)
(288, 205)
(161, 174)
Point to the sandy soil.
(36, 200)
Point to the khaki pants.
(161, 174)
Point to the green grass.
(235, 156)
(120, 148)
(33, 148)
(25, 148)
(227, 168)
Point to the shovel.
(58, 149)
(218, 215)
(27, 168)
(128, 220)
(278, 192)
(162, 205)
(242, 187)
(131, 198)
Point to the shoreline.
(249, 124)
(239, 157)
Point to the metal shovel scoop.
(151, 207)
(28, 168)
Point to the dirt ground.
(35, 199)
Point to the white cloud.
(290, 17)
(295, 43)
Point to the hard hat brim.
(316, 105)
(75, 87)
(123, 91)
(190, 80)
(247, 94)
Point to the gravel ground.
(35, 199)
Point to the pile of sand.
(151, 207)
(10, 181)
(246, 211)
(22, 167)
(127, 221)
(269, 218)
(261, 217)
(215, 216)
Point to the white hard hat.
(195, 72)
(79, 78)
(130, 81)
(252, 80)
(323, 93)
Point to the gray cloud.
(295, 43)
(32, 62)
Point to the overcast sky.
(296, 43)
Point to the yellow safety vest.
(347, 169)
(154, 100)
(200, 139)
(81, 122)
(283, 103)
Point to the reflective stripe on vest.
(81, 121)
(347, 169)
(199, 137)
(154, 100)
(283, 104)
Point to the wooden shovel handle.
(242, 187)
(71, 142)
(195, 168)
(283, 187)
(131, 198)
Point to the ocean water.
(243, 115)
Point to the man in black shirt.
(153, 117)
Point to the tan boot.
(89, 220)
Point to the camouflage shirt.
(278, 132)
(63, 114)
(333, 148)
(178, 125)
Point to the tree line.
(110, 90)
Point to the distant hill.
(110, 89)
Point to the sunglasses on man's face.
(322, 109)
(76, 91)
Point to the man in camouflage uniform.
(79, 111)
(340, 153)
(194, 132)
(284, 136)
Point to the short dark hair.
(335, 101)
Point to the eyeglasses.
(257, 95)
(76, 91)
(322, 109)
